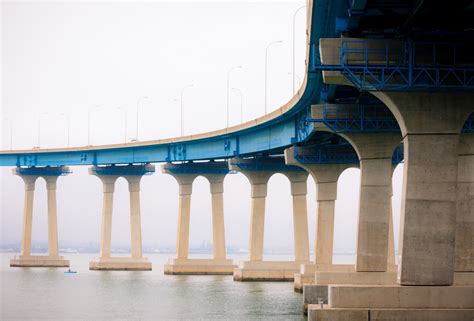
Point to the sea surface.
(49, 294)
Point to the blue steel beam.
(43, 171)
(122, 170)
(272, 164)
(198, 168)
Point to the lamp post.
(138, 108)
(126, 123)
(68, 128)
(89, 112)
(294, 63)
(11, 131)
(182, 107)
(39, 128)
(241, 104)
(297, 79)
(266, 69)
(228, 81)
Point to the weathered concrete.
(200, 266)
(395, 296)
(39, 261)
(255, 269)
(120, 264)
(464, 242)
(108, 176)
(312, 294)
(431, 124)
(375, 154)
(30, 176)
(185, 174)
(315, 313)
(266, 270)
(375, 278)
(306, 273)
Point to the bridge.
(386, 82)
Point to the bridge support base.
(414, 303)
(120, 264)
(199, 267)
(306, 273)
(38, 261)
(266, 270)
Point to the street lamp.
(294, 21)
(138, 108)
(228, 80)
(39, 128)
(297, 79)
(266, 69)
(126, 123)
(68, 127)
(182, 107)
(241, 104)
(11, 131)
(89, 112)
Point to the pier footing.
(199, 267)
(120, 264)
(38, 261)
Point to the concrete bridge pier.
(375, 153)
(427, 286)
(185, 174)
(326, 177)
(258, 172)
(109, 175)
(29, 176)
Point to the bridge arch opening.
(311, 205)
(237, 215)
(278, 241)
(200, 223)
(120, 241)
(39, 230)
(346, 216)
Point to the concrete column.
(259, 183)
(464, 242)
(325, 176)
(52, 216)
(135, 219)
(325, 210)
(299, 191)
(184, 210)
(430, 124)
(27, 214)
(108, 183)
(375, 155)
(218, 229)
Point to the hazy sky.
(68, 57)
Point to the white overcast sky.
(67, 57)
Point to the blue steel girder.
(124, 170)
(393, 65)
(271, 164)
(198, 168)
(342, 153)
(343, 118)
(43, 171)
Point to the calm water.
(49, 294)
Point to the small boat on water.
(69, 271)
